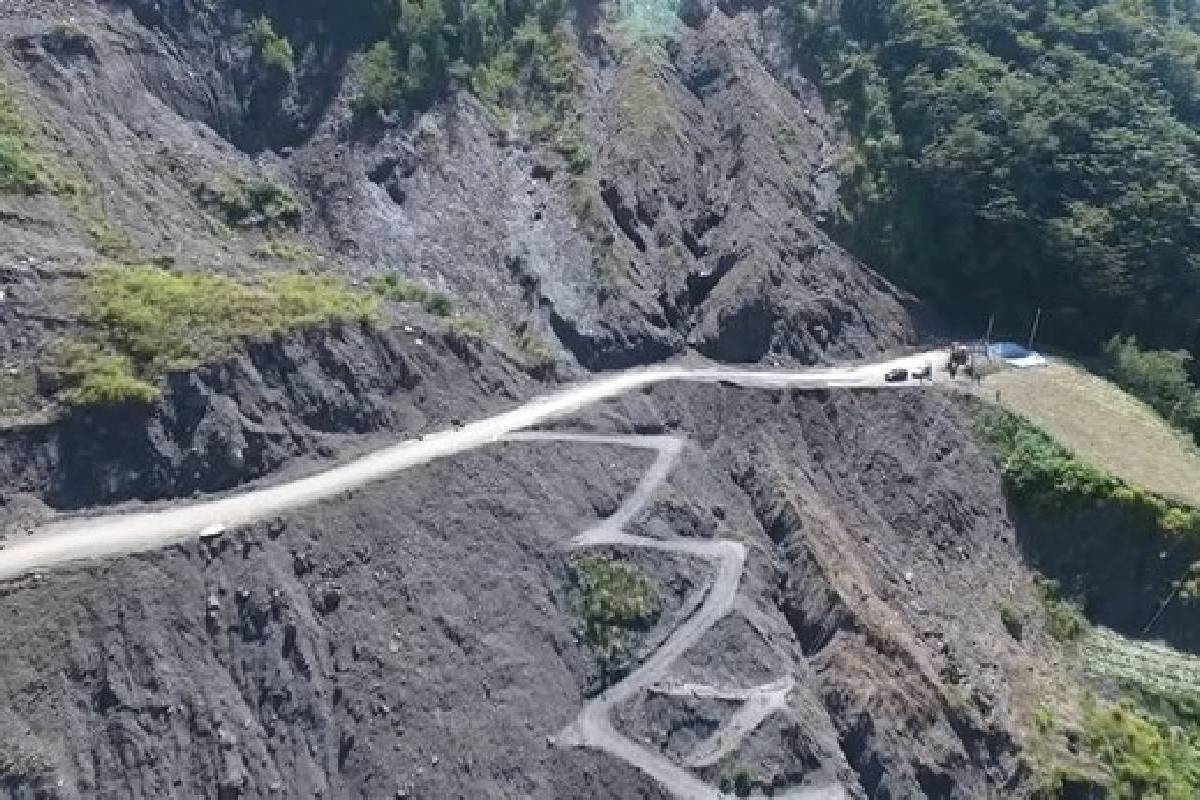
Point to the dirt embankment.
(241, 419)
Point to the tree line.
(414, 47)
(1017, 153)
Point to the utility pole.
(1033, 330)
(987, 338)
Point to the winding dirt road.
(593, 727)
(113, 535)
(107, 536)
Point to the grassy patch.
(1048, 477)
(284, 250)
(145, 321)
(471, 326)
(536, 353)
(252, 203)
(617, 597)
(1043, 719)
(25, 167)
(1063, 619)
(399, 289)
(1104, 426)
(1147, 756)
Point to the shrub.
(1043, 719)
(274, 50)
(1064, 622)
(381, 79)
(537, 354)
(24, 167)
(439, 304)
(743, 783)
(144, 321)
(617, 597)
(248, 203)
(1012, 622)
(1147, 756)
(402, 290)
(398, 289)
(1159, 378)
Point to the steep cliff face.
(243, 418)
(709, 160)
(428, 636)
(424, 636)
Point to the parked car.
(897, 375)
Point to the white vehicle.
(212, 531)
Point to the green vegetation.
(399, 289)
(25, 168)
(739, 782)
(1147, 756)
(252, 203)
(483, 42)
(1158, 377)
(1045, 475)
(274, 50)
(1162, 680)
(284, 250)
(110, 241)
(1150, 742)
(536, 353)
(648, 20)
(617, 597)
(145, 321)
(471, 326)
(1012, 621)
(1011, 153)
(1105, 426)
(1043, 719)
(1064, 621)
(381, 79)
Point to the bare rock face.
(709, 164)
(244, 417)
(425, 637)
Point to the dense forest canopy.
(414, 47)
(1018, 153)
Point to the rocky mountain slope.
(434, 635)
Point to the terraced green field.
(1155, 668)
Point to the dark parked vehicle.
(897, 375)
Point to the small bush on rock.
(617, 597)
(24, 167)
(274, 50)
(253, 203)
